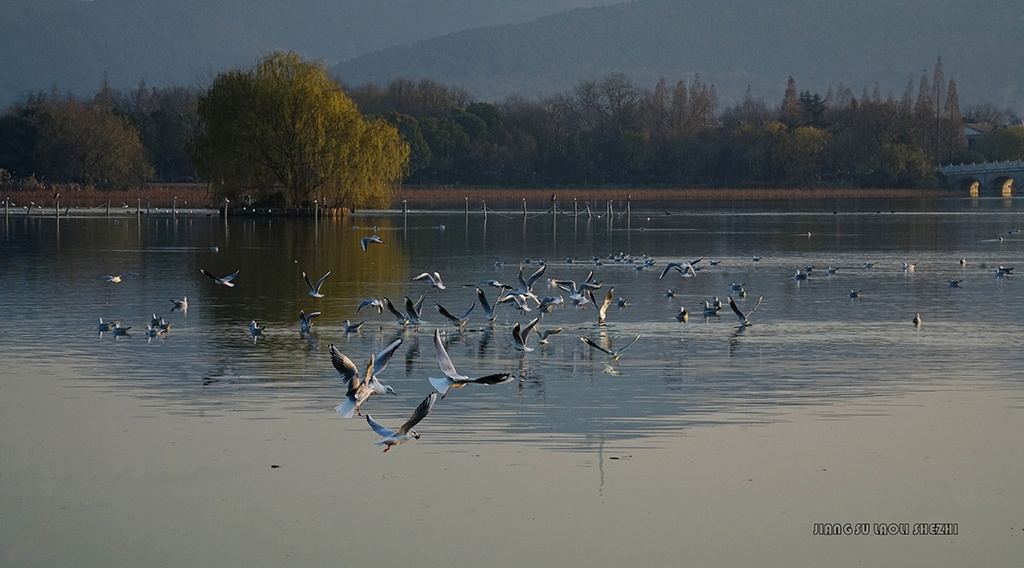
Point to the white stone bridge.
(988, 179)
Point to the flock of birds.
(521, 296)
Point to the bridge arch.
(1002, 186)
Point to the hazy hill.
(71, 43)
(731, 44)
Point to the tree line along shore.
(284, 133)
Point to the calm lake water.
(706, 443)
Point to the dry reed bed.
(537, 195)
(189, 195)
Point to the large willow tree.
(285, 131)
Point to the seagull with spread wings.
(314, 291)
(367, 240)
(405, 432)
(614, 354)
(225, 281)
(452, 379)
(744, 317)
(458, 321)
(360, 388)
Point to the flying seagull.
(521, 334)
(487, 306)
(433, 279)
(360, 389)
(458, 321)
(367, 240)
(614, 354)
(373, 303)
(314, 291)
(744, 321)
(452, 379)
(226, 281)
(406, 432)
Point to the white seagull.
(744, 321)
(521, 334)
(685, 269)
(458, 321)
(546, 333)
(181, 304)
(452, 379)
(360, 388)
(487, 306)
(367, 240)
(314, 291)
(433, 279)
(406, 432)
(614, 354)
(373, 303)
(352, 327)
(602, 311)
(306, 320)
(226, 281)
(917, 319)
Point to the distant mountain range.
(733, 44)
(71, 44)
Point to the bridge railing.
(981, 167)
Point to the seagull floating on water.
(406, 432)
(226, 281)
(955, 283)
(106, 325)
(314, 291)
(181, 304)
(306, 320)
(855, 293)
(452, 379)
(917, 319)
(256, 330)
(682, 316)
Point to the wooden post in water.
(138, 208)
(147, 205)
(174, 206)
(108, 208)
(467, 206)
(524, 207)
(7, 208)
(575, 208)
(629, 198)
(484, 207)
(56, 207)
(226, 201)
